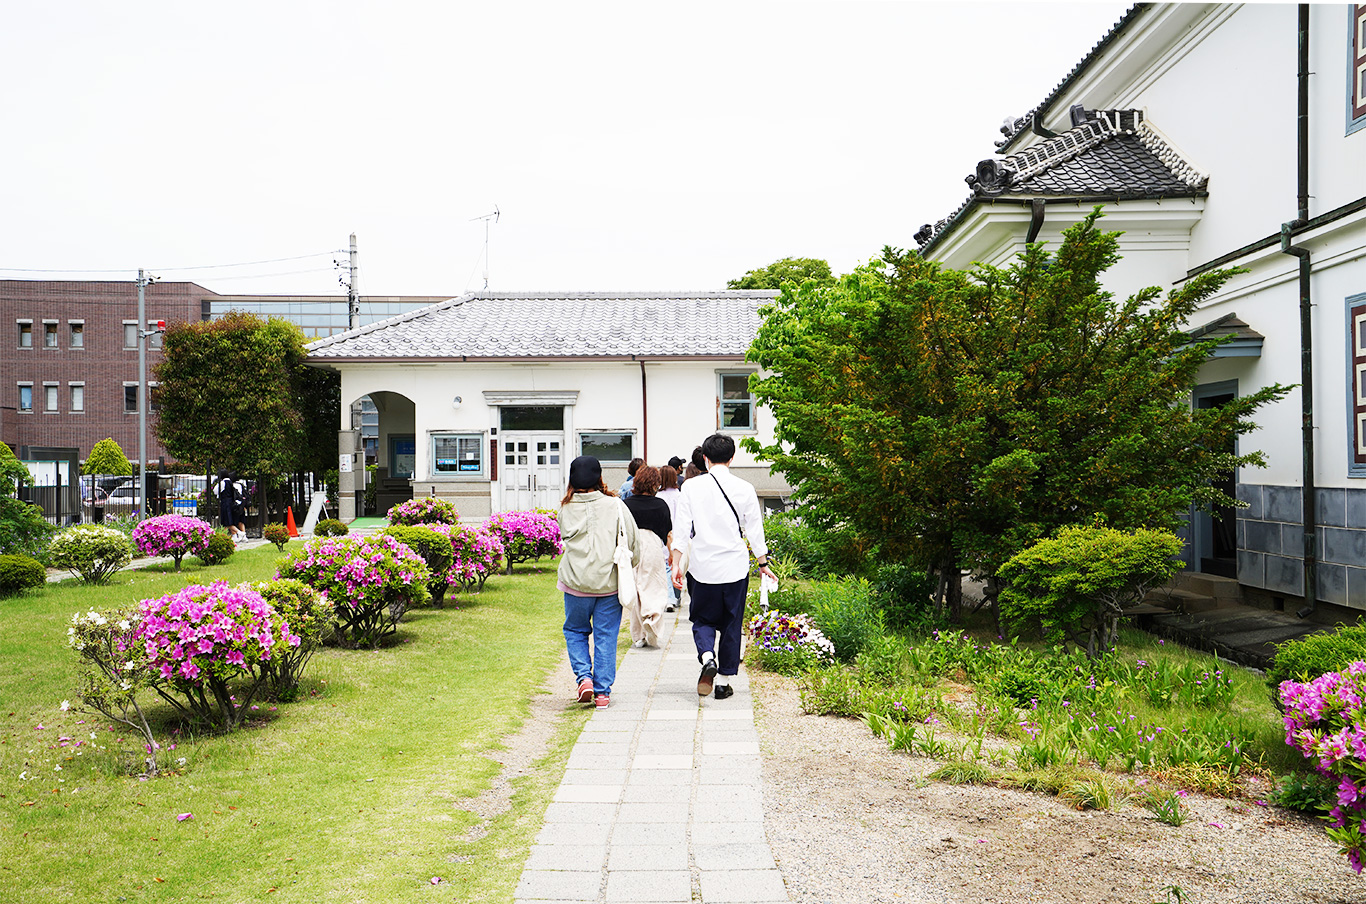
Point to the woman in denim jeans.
(589, 518)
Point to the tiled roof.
(1110, 154)
(1013, 126)
(559, 325)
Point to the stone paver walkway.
(662, 797)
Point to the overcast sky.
(634, 146)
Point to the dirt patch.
(850, 822)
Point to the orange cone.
(289, 521)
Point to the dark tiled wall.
(1271, 542)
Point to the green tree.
(235, 393)
(107, 458)
(23, 529)
(795, 270)
(956, 418)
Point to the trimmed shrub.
(370, 581)
(435, 549)
(330, 527)
(1318, 654)
(525, 535)
(172, 535)
(308, 615)
(219, 548)
(1078, 582)
(20, 573)
(424, 510)
(277, 534)
(92, 552)
(476, 554)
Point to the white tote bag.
(626, 578)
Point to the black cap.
(585, 473)
(676, 463)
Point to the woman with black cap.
(590, 518)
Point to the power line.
(273, 260)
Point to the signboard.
(344, 463)
(185, 507)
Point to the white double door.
(532, 469)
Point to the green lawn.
(350, 794)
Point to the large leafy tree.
(795, 270)
(235, 393)
(23, 529)
(955, 418)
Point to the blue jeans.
(598, 617)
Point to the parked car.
(124, 499)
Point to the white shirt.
(670, 495)
(718, 552)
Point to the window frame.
(25, 328)
(21, 409)
(52, 397)
(50, 333)
(722, 402)
(153, 335)
(126, 325)
(481, 445)
(1355, 307)
(75, 328)
(606, 462)
(127, 385)
(71, 388)
(1356, 67)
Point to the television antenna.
(487, 218)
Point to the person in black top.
(655, 525)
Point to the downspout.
(1310, 488)
(644, 416)
(1036, 210)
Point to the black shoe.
(723, 691)
(704, 681)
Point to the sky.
(626, 147)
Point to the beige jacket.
(588, 530)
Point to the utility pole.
(142, 394)
(352, 297)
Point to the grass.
(352, 793)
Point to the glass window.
(50, 334)
(25, 334)
(532, 417)
(608, 448)
(454, 454)
(1356, 68)
(25, 398)
(50, 398)
(1356, 362)
(736, 404)
(154, 335)
(130, 334)
(78, 397)
(130, 398)
(77, 333)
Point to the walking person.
(632, 467)
(591, 517)
(669, 482)
(232, 510)
(653, 588)
(720, 512)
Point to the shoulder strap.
(731, 504)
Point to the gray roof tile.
(560, 325)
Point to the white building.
(486, 398)
(1224, 135)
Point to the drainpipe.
(1310, 506)
(644, 416)
(1036, 211)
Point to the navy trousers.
(718, 609)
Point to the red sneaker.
(602, 701)
(586, 690)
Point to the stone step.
(1182, 600)
(1211, 585)
(1243, 634)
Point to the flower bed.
(789, 644)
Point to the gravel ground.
(852, 823)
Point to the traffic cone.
(289, 521)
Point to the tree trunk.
(953, 577)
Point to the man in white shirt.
(717, 513)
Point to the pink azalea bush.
(477, 553)
(424, 510)
(172, 535)
(1325, 722)
(526, 535)
(310, 616)
(370, 581)
(200, 640)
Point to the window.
(130, 334)
(1356, 68)
(153, 335)
(26, 397)
(608, 448)
(50, 397)
(736, 405)
(77, 396)
(1356, 390)
(77, 335)
(457, 454)
(531, 417)
(49, 334)
(25, 333)
(130, 398)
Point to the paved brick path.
(661, 800)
